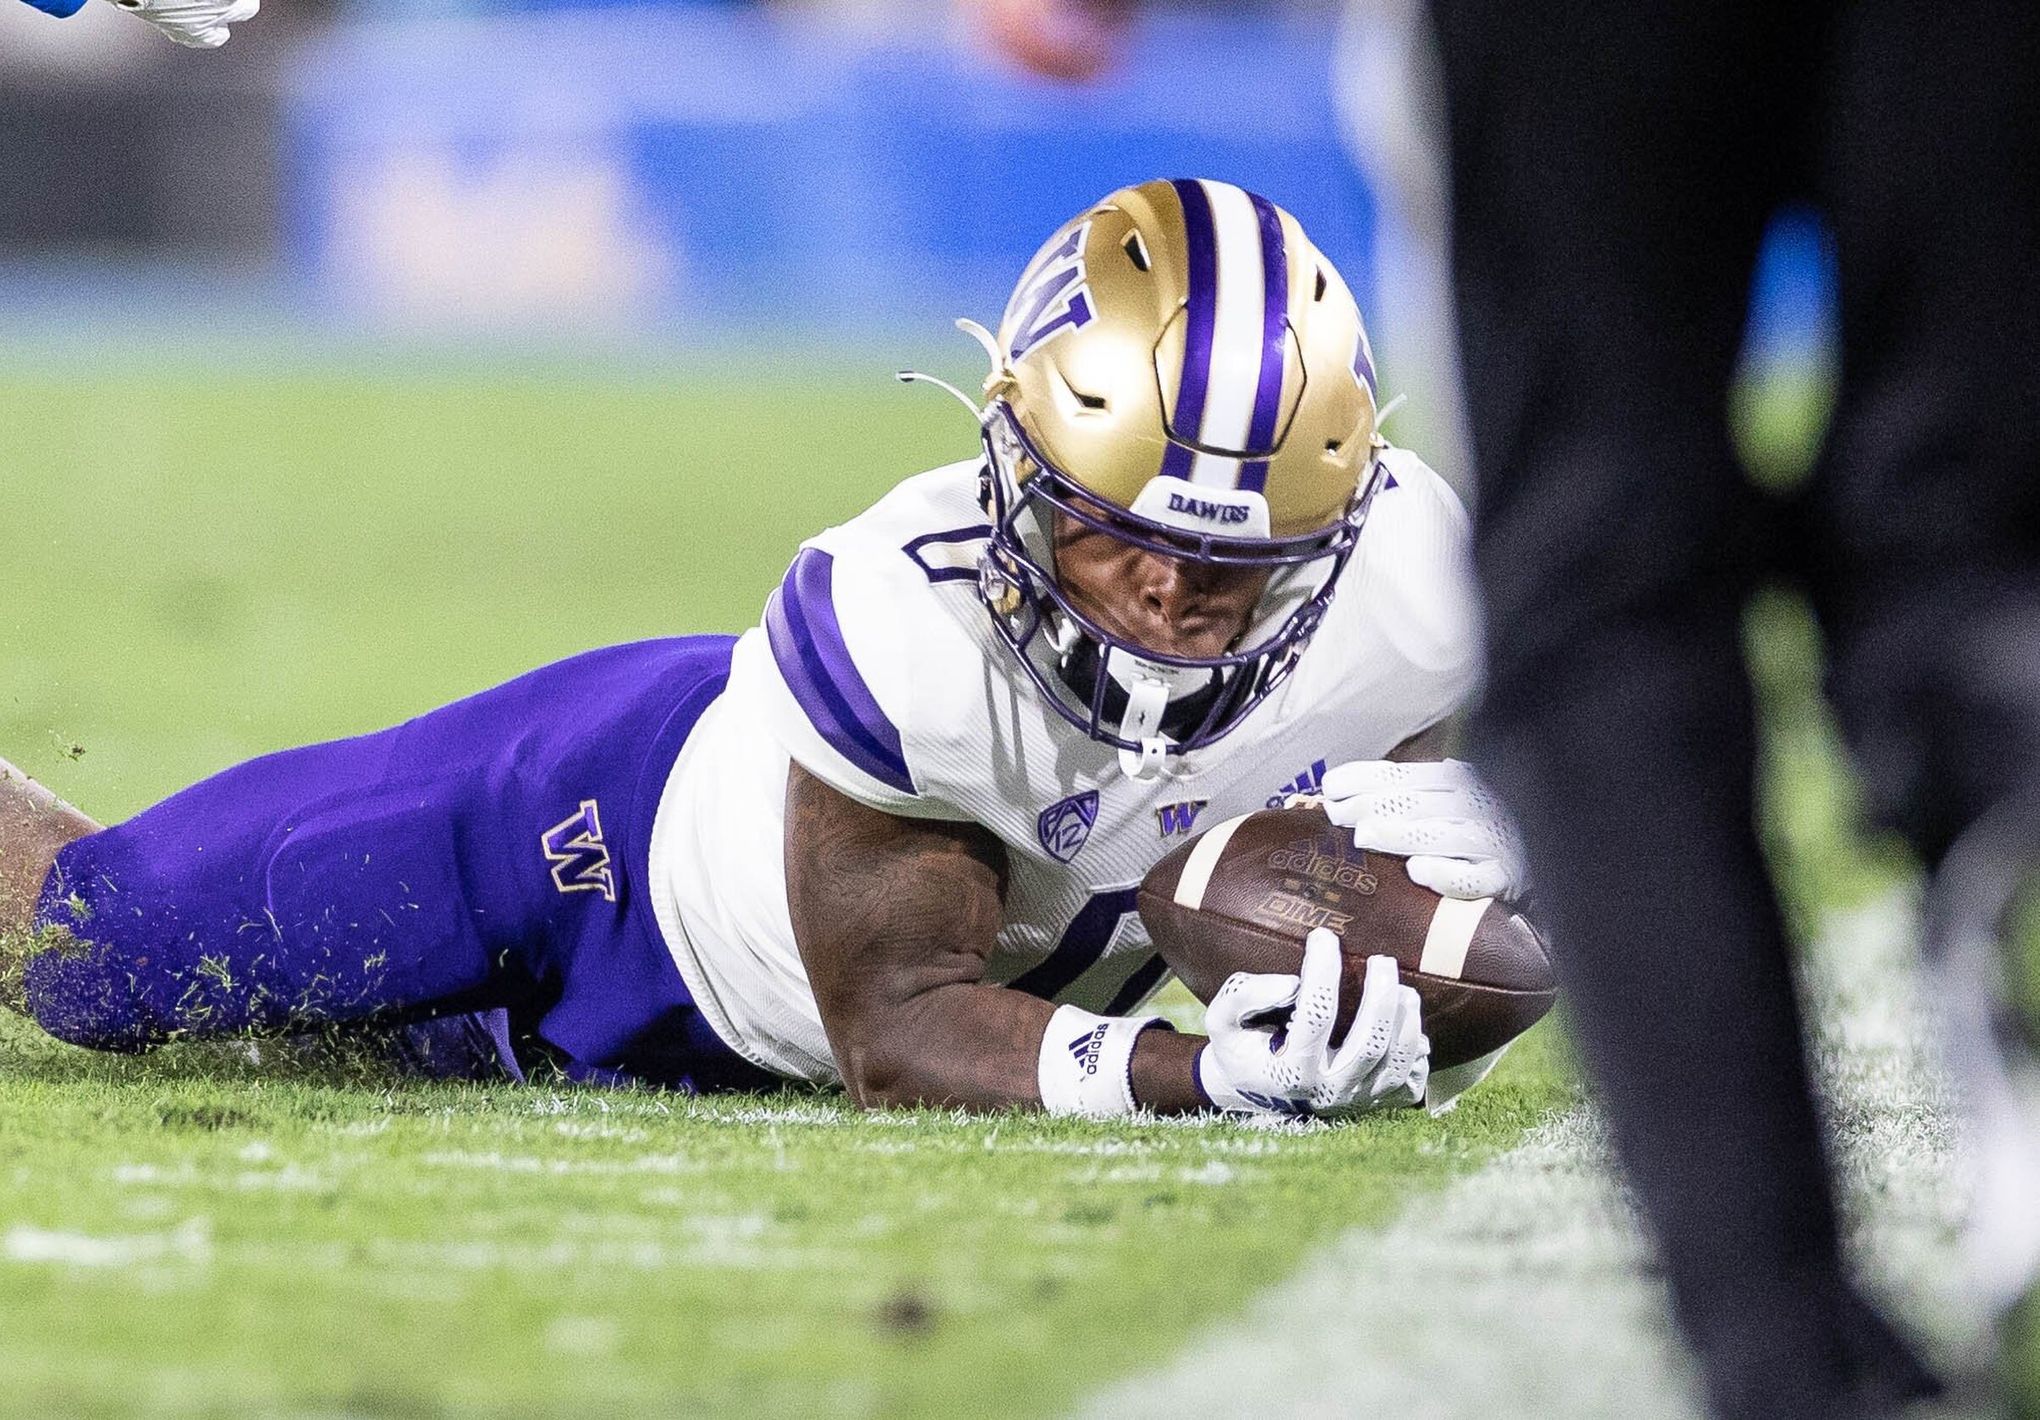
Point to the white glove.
(196, 24)
(1253, 1065)
(1458, 838)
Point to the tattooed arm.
(34, 824)
(895, 918)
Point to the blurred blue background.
(683, 173)
(717, 164)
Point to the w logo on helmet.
(578, 854)
(1052, 297)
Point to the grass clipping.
(18, 949)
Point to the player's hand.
(1255, 1064)
(196, 24)
(1459, 840)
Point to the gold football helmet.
(1180, 367)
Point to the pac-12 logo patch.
(1053, 296)
(579, 856)
(1066, 823)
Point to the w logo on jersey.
(1180, 818)
(1052, 297)
(1308, 782)
(578, 854)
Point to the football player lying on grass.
(891, 836)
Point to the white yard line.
(189, 1242)
(1521, 1290)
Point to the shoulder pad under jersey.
(1415, 573)
(1400, 647)
(871, 660)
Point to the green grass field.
(199, 568)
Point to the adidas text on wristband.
(1087, 1062)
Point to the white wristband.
(1087, 1062)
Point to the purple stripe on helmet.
(1202, 311)
(1274, 342)
(807, 643)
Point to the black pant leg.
(1928, 577)
(1612, 170)
(1928, 571)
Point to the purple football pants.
(477, 876)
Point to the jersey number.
(1083, 942)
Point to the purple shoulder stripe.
(807, 643)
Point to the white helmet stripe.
(1236, 337)
(1214, 470)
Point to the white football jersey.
(878, 670)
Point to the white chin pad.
(1129, 671)
(1202, 509)
(1147, 700)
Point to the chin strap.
(1147, 699)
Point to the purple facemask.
(1145, 704)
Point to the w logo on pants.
(1179, 818)
(579, 857)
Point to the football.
(1243, 895)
